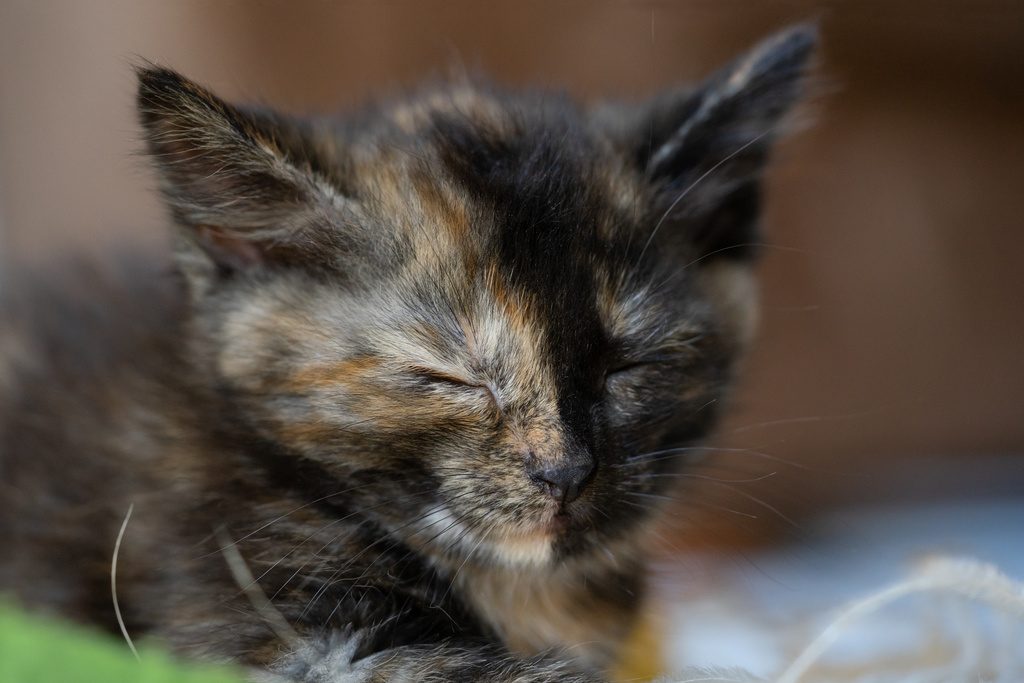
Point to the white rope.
(976, 581)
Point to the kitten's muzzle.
(563, 483)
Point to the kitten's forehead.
(519, 200)
(417, 114)
(515, 199)
(462, 170)
(521, 185)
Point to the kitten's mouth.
(559, 523)
(545, 530)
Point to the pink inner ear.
(228, 249)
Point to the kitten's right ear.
(243, 198)
(703, 150)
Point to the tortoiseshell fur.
(384, 327)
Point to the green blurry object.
(38, 650)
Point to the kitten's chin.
(533, 548)
(536, 546)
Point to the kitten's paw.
(329, 660)
(715, 675)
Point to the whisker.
(699, 503)
(257, 598)
(803, 419)
(691, 187)
(284, 516)
(668, 453)
(395, 542)
(754, 499)
(113, 582)
(329, 543)
(701, 477)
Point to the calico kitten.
(422, 376)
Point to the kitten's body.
(143, 436)
(414, 377)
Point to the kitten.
(424, 375)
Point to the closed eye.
(636, 365)
(679, 353)
(627, 367)
(431, 376)
(440, 377)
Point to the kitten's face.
(488, 315)
(499, 338)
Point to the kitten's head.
(488, 315)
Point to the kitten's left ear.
(703, 149)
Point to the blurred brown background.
(892, 330)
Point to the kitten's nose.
(564, 483)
